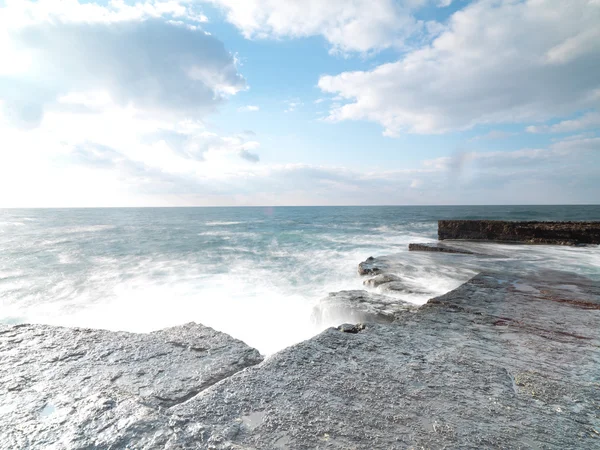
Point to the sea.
(255, 273)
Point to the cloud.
(292, 105)
(145, 162)
(493, 135)
(357, 26)
(496, 62)
(128, 55)
(586, 121)
(248, 156)
(248, 108)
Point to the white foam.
(219, 223)
(263, 296)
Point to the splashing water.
(254, 273)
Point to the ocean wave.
(219, 223)
(86, 229)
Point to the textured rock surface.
(562, 233)
(81, 388)
(359, 306)
(504, 361)
(498, 363)
(370, 267)
(437, 248)
(380, 279)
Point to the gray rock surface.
(380, 279)
(65, 388)
(559, 233)
(358, 306)
(504, 361)
(498, 363)
(371, 266)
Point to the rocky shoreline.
(504, 361)
(557, 233)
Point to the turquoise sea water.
(254, 273)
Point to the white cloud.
(103, 105)
(493, 135)
(589, 120)
(19, 13)
(355, 26)
(116, 158)
(499, 61)
(293, 105)
(129, 55)
(248, 108)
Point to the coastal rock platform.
(503, 361)
(437, 248)
(72, 388)
(558, 233)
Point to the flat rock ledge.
(440, 248)
(73, 388)
(504, 361)
(558, 233)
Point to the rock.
(358, 306)
(504, 361)
(437, 248)
(399, 287)
(79, 388)
(559, 233)
(349, 328)
(371, 266)
(500, 362)
(381, 279)
(387, 282)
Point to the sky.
(299, 102)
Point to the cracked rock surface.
(66, 388)
(501, 362)
(504, 361)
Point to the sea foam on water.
(253, 275)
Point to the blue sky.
(288, 102)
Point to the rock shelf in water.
(440, 248)
(560, 233)
(503, 361)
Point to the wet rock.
(358, 306)
(447, 376)
(70, 388)
(399, 287)
(371, 266)
(381, 279)
(437, 248)
(349, 328)
(387, 282)
(559, 233)
(504, 361)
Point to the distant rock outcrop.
(560, 233)
(437, 248)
